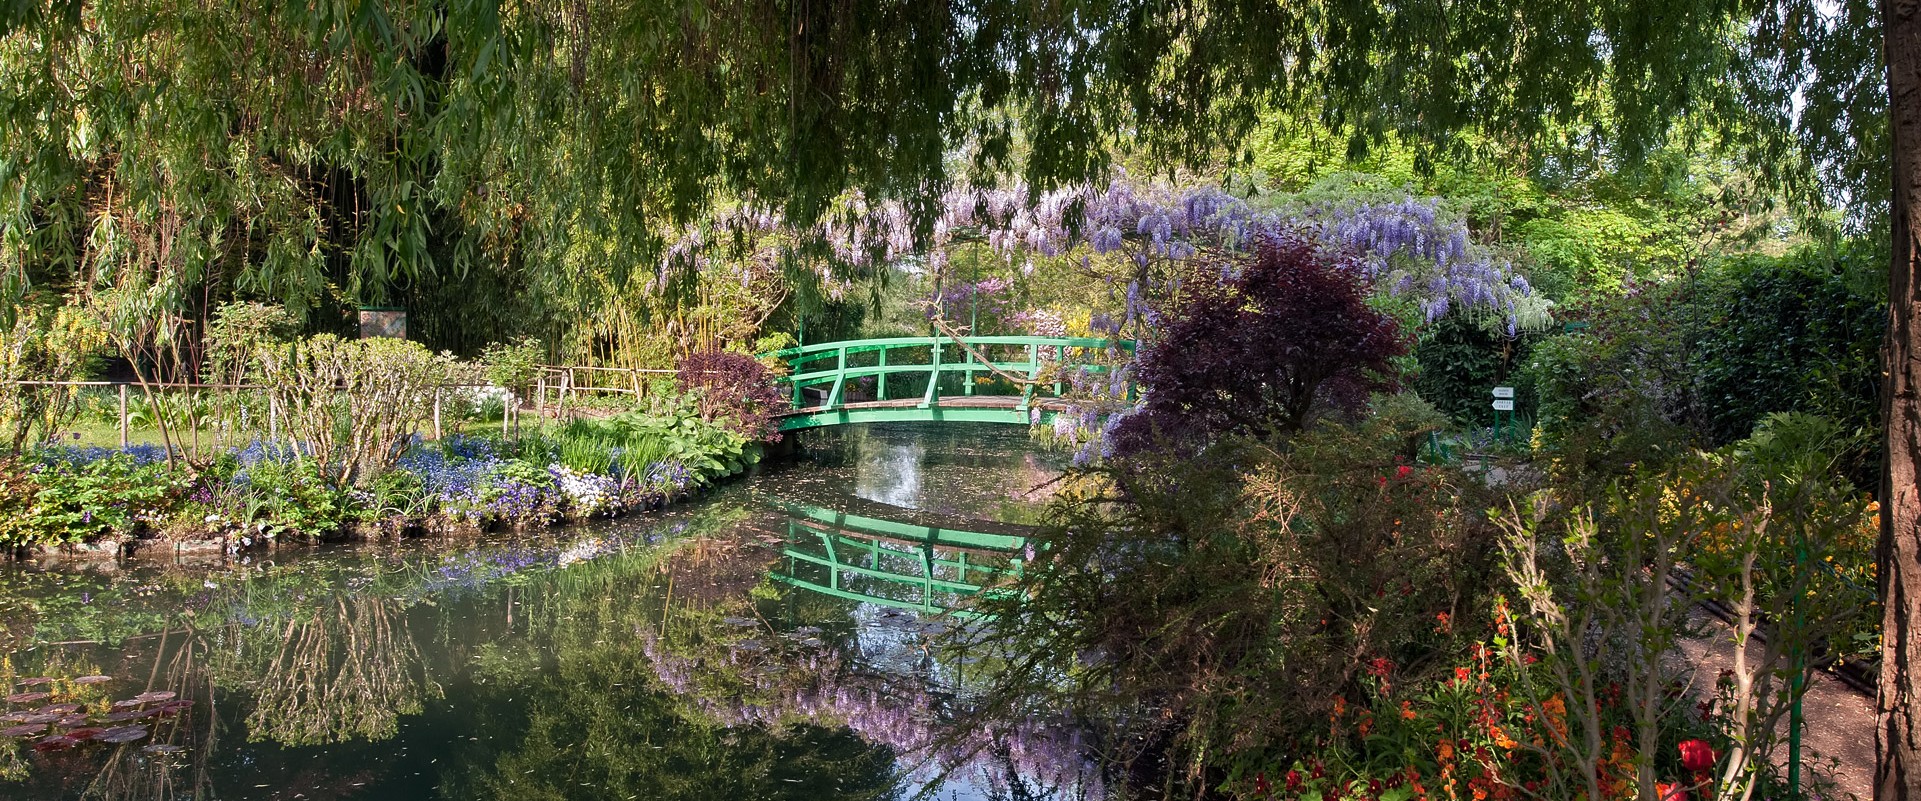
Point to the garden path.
(1838, 741)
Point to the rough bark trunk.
(1898, 729)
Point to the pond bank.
(577, 661)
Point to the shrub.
(1287, 334)
(1239, 592)
(44, 345)
(735, 390)
(1618, 394)
(512, 366)
(352, 404)
(1800, 333)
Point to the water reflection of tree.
(337, 671)
(172, 661)
(597, 723)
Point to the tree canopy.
(343, 152)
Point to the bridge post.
(1033, 373)
(967, 375)
(1060, 368)
(840, 380)
(933, 377)
(880, 392)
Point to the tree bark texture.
(1898, 731)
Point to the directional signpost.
(1503, 412)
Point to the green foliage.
(44, 344)
(1460, 362)
(292, 498)
(512, 366)
(79, 503)
(1798, 333)
(1617, 394)
(676, 432)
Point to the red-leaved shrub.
(735, 390)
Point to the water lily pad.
(122, 734)
(93, 680)
(59, 709)
(16, 717)
(163, 748)
(85, 733)
(155, 697)
(27, 698)
(123, 716)
(173, 707)
(35, 681)
(70, 721)
(55, 743)
(27, 730)
(39, 718)
(127, 704)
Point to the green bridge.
(924, 569)
(988, 379)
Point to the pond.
(776, 639)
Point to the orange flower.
(1501, 739)
(1407, 710)
(1446, 751)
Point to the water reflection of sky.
(503, 665)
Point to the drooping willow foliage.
(499, 167)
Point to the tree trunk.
(1898, 731)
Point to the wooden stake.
(123, 417)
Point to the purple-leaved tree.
(1287, 334)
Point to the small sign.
(1504, 405)
(1504, 392)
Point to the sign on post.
(1504, 402)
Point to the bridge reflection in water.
(925, 569)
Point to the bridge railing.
(920, 568)
(835, 364)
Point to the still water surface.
(772, 641)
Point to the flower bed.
(103, 501)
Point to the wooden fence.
(560, 382)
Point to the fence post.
(123, 417)
(540, 394)
(506, 411)
(437, 434)
(273, 420)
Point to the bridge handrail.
(864, 345)
(828, 363)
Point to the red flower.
(1697, 756)
(1671, 792)
(1293, 781)
(1460, 674)
(1380, 667)
(1402, 471)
